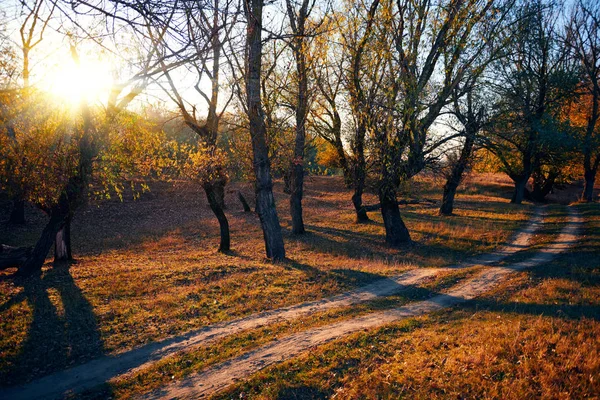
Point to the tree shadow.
(63, 330)
(349, 278)
(567, 311)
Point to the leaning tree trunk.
(215, 193)
(17, 215)
(37, 258)
(396, 232)
(588, 186)
(265, 202)
(456, 175)
(62, 243)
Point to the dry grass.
(536, 336)
(148, 269)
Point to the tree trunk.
(38, 256)
(396, 232)
(542, 185)
(458, 170)
(265, 202)
(448, 197)
(244, 202)
(297, 185)
(297, 22)
(17, 215)
(588, 187)
(62, 243)
(215, 193)
(519, 193)
(361, 212)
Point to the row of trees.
(394, 86)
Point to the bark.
(62, 243)
(447, 206)
(542, 185)
(396, 232)
(358, 180)
(215, 193)
(17, 215)
(361, 212)
(265, 202)
(519, 193)
(244, 202)
(588, 187)
(297, 186)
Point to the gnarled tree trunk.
(542, 185)
(396, 232)
(215, 193)
(520, 188)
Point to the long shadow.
(349, 278)
(348, 246)
(62, 333)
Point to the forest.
(299, 199)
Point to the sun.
(73, 83)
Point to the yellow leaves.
(206, 165)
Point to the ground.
(149, 270)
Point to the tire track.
(219, 377)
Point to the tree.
(325, 116)
(38, 14)
(362, 89)
(210, 30)
(532, 82)
(299, 19)
(265, 202)
(583, 41)
(428, 50)
(471, 115)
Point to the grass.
(535, 336)
(183, 364)
(148, 269)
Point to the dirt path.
(218, 377)
(96, 372)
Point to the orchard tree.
(433, 47)
(532, 83)
(265, 202)
(209, 30)
(583, 40)
(471, 116)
